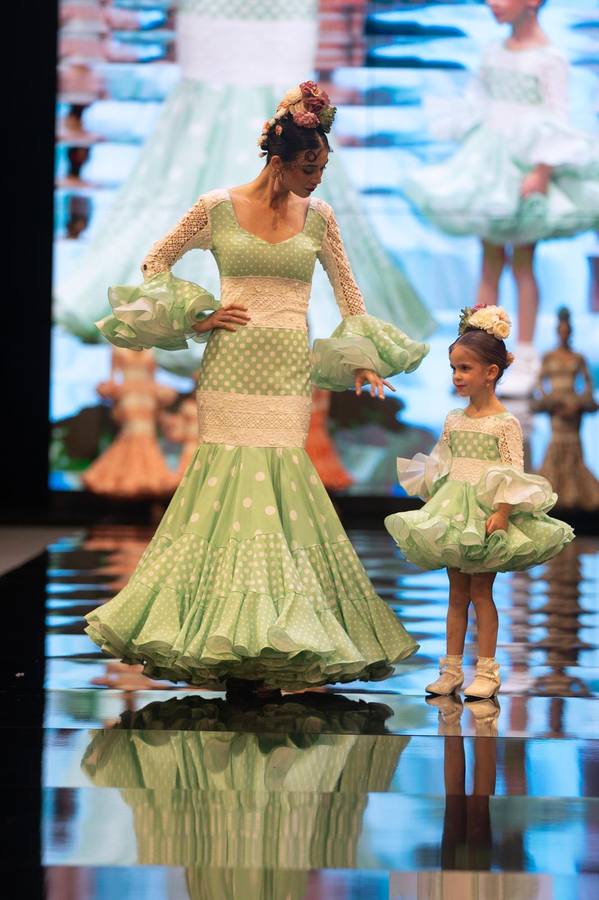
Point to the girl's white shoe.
(451, 676)
(486, 680)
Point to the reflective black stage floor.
(146, 790)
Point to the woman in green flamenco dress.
(250, 574)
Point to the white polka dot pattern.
(217, 596)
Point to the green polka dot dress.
(250, 574)
(476, 466)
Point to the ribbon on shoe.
(159, 313)
(363, 342)
(420, 476)
(526, 493)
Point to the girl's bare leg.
(493, 263)
(481, 590)
(528, 292)
(457, 612)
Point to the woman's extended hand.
(226, 317)
(376, 383)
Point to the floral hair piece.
(490, 318)
(307, 104)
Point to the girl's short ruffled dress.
(514, 117)
(476, 465)
(250, 573)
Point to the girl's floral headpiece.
(308, 105)
(492, 319)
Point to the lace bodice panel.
(274, 278)
(532, 79)
(478, 444)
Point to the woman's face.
(304, 173)
(508, 11)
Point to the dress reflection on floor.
(158, 790)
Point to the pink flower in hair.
(306, 119)
(309, 88)
(314, 104)
(314, 97)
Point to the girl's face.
(508, 11)
(305, 172)
(471, 375)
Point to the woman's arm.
(191, 232)
(349, 298)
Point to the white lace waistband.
(271, 302)
(249, 420)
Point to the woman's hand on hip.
(377, 384)
(227, 317)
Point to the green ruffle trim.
(191, 615)
(449, 531)
(158, 313)
(363, 342)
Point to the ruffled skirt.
(250, 575)
(477, 191)
(449, 531)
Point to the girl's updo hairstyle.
(489, 349)
(288, 140)
(300, 124)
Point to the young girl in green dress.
(483, 513)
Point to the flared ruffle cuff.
(525, 493)
(363, 342)
(421, 475)
(553, 142)
(210, 620)
(159, 313)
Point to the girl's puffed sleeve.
(423, 474)
(161, 312)
(550, 139)
(360, 341)
(508, 482)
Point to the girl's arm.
(554, 86)
(511, 451)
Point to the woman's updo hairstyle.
(301, 123)
(287, 140)
(564, 318)
(482, 331)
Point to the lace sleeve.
(511, 447)
(444, 439)
(191, 232)
(334, 261)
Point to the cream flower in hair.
(492, 319)
(293, 95)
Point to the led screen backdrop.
(160, 101)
